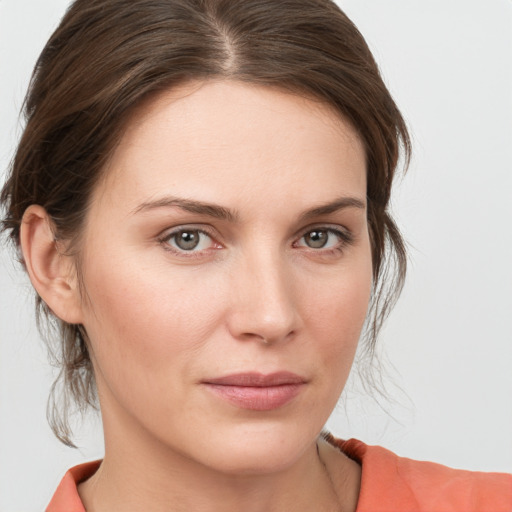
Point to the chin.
(255, 449)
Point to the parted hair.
(108, 56)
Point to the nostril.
(266, 340)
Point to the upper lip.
(256, 379)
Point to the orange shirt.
(389, 484)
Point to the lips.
(256, 391)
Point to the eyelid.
(346, 237)
(343, 231)
(164, 237)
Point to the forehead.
(203, 138)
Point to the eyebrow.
(189, 205)
(222, 213)
(333, 206)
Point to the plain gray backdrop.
(448, 343)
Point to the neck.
(140, 473)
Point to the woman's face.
(226, 273)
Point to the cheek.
(337, 309)
(143, 316)
(150, 322)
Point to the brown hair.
(109, 55)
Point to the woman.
(200, 197)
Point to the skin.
(252, 296)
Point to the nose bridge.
(265, 305)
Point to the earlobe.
(51, 272)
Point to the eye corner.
(324, 239)
(197, 242)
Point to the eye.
(188, 240)
(324, 238)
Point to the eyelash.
(167, 237)
(345, 238)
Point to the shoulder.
(66, 497)
(398, 484)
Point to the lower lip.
(264, 398)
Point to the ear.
(51, 272)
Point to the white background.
(449, 65)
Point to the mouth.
(256, 391)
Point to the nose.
(264, 302)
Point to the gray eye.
(187, 240)
(316, 239)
